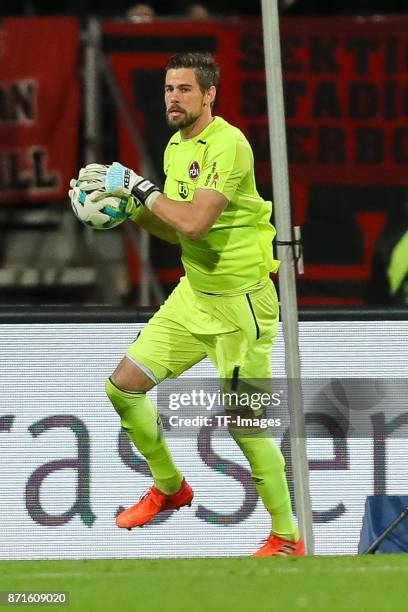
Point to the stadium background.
(346, 86)
(346, 113)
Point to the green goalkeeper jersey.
(236, 253)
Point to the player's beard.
(183, 122)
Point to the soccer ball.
(97, 213)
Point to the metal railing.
(109, 314)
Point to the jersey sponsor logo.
(215, 180)
(194, 170)
(183, 190)
(211, 175)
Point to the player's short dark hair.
(206, 69)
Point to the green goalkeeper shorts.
(233, 331)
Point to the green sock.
(139, 418)
(268, 473)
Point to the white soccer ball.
(97, 213)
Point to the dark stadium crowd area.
(339, 123)
(182, 8)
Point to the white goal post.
(287, 281)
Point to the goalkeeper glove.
(124, 181)
(119, 181)
(92, 177)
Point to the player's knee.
(123, 402)
(130, 377)
(112, 390)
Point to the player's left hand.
(88, 205)
(96, 205)
(91, 178)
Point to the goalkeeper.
(225, 307)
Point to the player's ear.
(210, 96)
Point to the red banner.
(347, 100)
(346, 88)
(346, 83)
(39, 108)
(139, 52)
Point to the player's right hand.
(118, 181)
(125, 182)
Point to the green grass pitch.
(362, 584)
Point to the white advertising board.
(66, 467)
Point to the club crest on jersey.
(194, 170)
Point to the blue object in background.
(380, 511)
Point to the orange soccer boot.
(277, 547)
(153, 502)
